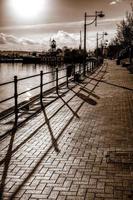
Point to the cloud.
(42, 26)
(2, 39)
(11, 42)
(64, 38)
(11, 39)
(51, 28)
(5, 39)
(27, 41)
(115, 2)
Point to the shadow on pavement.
(54, 141)
(7, 160)
(10, 152)
(89, 92)
(54, 144)
(130, 68)
(66, 103)
(87, 99)
(115, 85)
(44, 155)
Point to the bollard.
(16, 100)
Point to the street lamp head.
(100, 14)
(105, 33)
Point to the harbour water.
(9, 70)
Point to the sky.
(31, 24)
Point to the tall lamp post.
(95, 16)
(97, 39)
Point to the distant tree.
(125, 30)
(58, 51)
(73, 55)
(124, 36)
(114, 48)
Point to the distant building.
(53, 46)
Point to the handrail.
(31, 89)
(1, 84)
(6, 99)
(20, 79)
(15, 109)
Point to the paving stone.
(67, 157)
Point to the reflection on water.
(28, 95)
(9, 70)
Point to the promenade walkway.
(78, 148)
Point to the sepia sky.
(29, 24)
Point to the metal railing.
(59, 80)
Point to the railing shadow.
(7, 163)
(10, 152)
(54, 144)
(87, 99)
(35, 131)
(54, 141)
(65, 103)
(19, 109)
(89, 92)
(112, 84)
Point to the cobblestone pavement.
(78, 148)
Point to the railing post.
(95, 65)
(67, 76)
(92, 66)
(87, 66)
(80, 68)
(74, 71)
(16, 100)
(41, 85)
(57, 80)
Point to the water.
(9, 70)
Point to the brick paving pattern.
(78, 148)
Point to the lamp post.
(97, 39)
(80, 45)
(95, 16)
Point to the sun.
(27, 9)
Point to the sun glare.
(27, 9)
